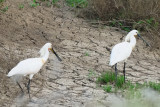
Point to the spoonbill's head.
(132, 33)
(48, 46)
(135, 33)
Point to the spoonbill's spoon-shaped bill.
(144, 40)
(56, 54)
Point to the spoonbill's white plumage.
(32, 65)
(122, 51)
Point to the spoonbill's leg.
(20, 87)
(28, 88)
(116, 71)
(124, 70)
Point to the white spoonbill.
(122, 51)
(32, 65)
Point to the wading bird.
(32, 65)
(122, 51)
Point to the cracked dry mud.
(82, 47)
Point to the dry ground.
(82, 47)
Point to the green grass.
(91, 73)
(120, 24)
(155, 86)
(86, 54)
(106, 77)
(77, 3)
(149, 23)
(108, 82)
(34, 4)
(109, 77)
(120, 81)
(2, 1)
(4, 9)
(51, 2)
(54, 1)
(141, 25)
(107, 88)
(126, 15)
(133, 95)
(139, 98)
(21, 6)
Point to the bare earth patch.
(82, 48)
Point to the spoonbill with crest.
(122, 51)
(32, 66)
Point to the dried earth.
(84, 49)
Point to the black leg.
(28, 88)
(124, 70)
(20, 87)
(116, 71)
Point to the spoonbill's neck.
(46, 55)
(132, 41)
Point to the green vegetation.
(141, 25)
(109, 77)
(119, 24)
(142, 15)
(5, 9)
(106, 78)
(91, 73)
(86, 54)
(21, 6)
(107, 88)
(50, 2)
(34, 4)
(125, 13)
(155, 86)
(108, 82)
(77, 3)
(54, 1)
(2, 1)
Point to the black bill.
(56, 54)
(144, 40)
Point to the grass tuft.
(155, 86)
(21, 6)
(77, 3)
(106, 77)
(109, 77)
(5, 9)
(2, 1)
(34, 4)
(54, 1)
(107, 88)
(108, 82)
(51, 2)
(86, 54)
